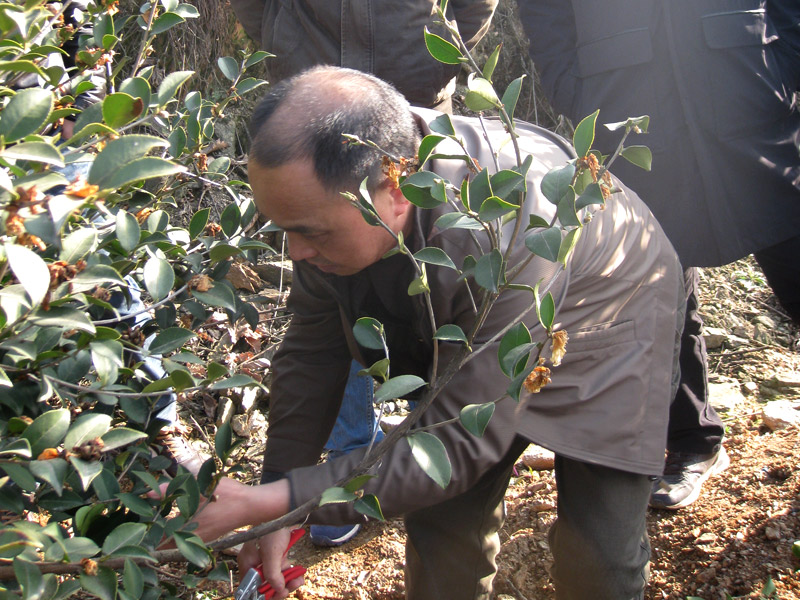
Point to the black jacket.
(718, 79)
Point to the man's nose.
(299, 249)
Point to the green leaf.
(127, 534)
(166, 22)
(796, 548)
(52, 471)
(169, 87)
(420, 284)
(20, 447)
(78, 548)
(198, 223)
(556, 183)
(31, 271)
(567, 244)
(369, 333)
(399, 386)
(78, 244)
(26, 112)
(170, 339)
(583, 138)
(229, 67)
(121, 436)
(118, 155)
(769, 589)
(480, 189)
(47, 430)
(158, 277)
(257, 57)
(94, 276)
(132, 579)
(457, 220)
(442, 50)
(35, 151)
(356, 483)
(85, 428)
(545, 242)
(231, 219)
(491, 63)
(566, 209)
(511, 95)
(140, 169)
(177, 142)
(475, 417)
(427, 146)
(192, 550)
(435, 256)
(217, 295)
(591, 195)
(424, 189)
(138, 87)
(29, 578)
(369, 506)
(494, 208)
(120, 109)
(517, 336)
(107, 360)
(442, 124)
(642, 123)
(507, 181)
(431, 456)
(641, 156)
(489, 271)
(233, 381)
(545, 310)
(21, 476)
(336, 495)
(128, 231)
(451, 333)
(481, 95)
(103, 585)
(87, 470)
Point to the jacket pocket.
(615, 73)
(601, 336)
(742, 72)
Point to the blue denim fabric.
(356, 421)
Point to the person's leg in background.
(781, 267)
(353, 429)
(694, 437)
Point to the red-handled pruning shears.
(253, 586)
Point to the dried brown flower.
(559, 346)
(539, 377)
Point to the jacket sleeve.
(250, 14)
(785, 16)
(550, 26)
(309, 375)
(401, 485)
(473, 18)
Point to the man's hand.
(270, 552)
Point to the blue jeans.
(356, 421)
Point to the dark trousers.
(599, 541)
(781, 266)
(694, 425)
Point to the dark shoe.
(331, 535)
(684, 475)
(179, 452)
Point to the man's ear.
(400, 204)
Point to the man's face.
(321, 225)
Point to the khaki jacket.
(608, 401)
(383, 38)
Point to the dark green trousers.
(599, 541)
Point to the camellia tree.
(85, 232)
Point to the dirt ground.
(734, 539)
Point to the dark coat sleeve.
(550, 26)
(309, 374)
(473, 18)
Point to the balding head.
(305, 117)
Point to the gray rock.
(538, 458)
(772, 533)
(784, 381)
(715, 337)
(780, 414)
(725, 394)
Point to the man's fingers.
(248, 557)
